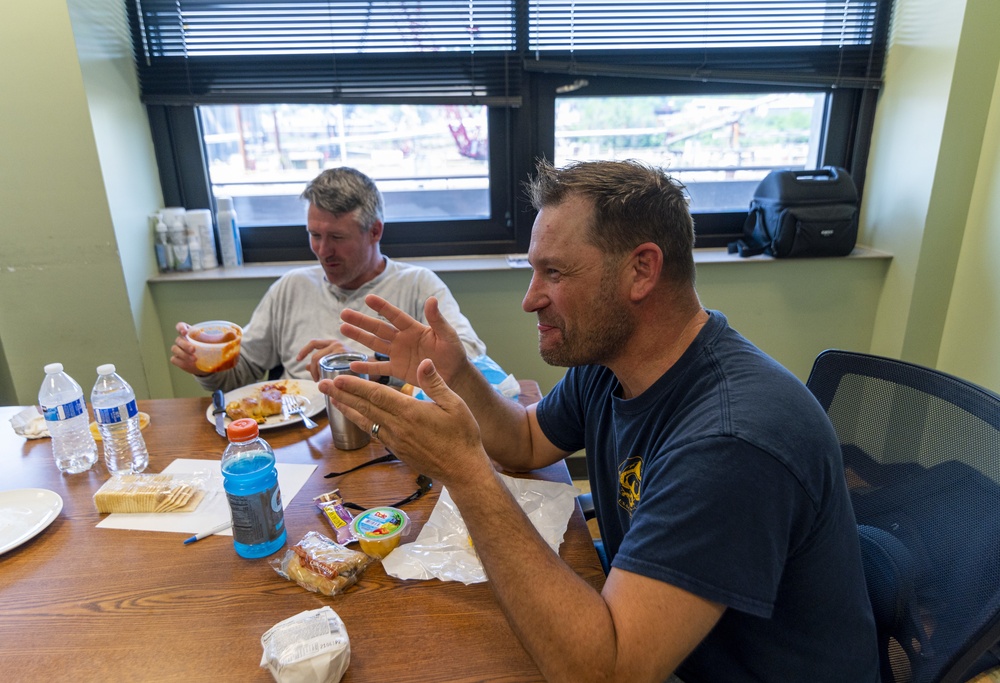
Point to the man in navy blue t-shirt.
(717, 478)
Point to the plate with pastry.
(263, 402)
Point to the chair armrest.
(586, 501)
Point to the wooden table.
(86, 604)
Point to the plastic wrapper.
(151, 493)
(321, 565)
(30, 424)
(311, 647)
(332, 506)
(503, 383)
(443, 549)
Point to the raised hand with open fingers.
(405, 340)
(438, 438)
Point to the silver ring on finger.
(374, 430)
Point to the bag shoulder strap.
(749, 245)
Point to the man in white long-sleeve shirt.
(297, 322)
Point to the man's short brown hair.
(343, 190)
(633, 203)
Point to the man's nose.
(325, 248)
(533, 298)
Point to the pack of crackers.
(150, 493)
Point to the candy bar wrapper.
(332, 506)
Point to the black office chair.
(586, 501)
(922, 460)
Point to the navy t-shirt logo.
(629, 481)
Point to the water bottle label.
(257, 517)
(65, 411)
(117, 414)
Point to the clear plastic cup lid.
(378, 524)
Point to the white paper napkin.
(214, 509)
(30, 424)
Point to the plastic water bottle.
(229, 233)
(164, 254)
(62, 404)
(250, 480)
(117, 419)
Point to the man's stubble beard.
(610, 327)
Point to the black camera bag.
(801, 213)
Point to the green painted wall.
(765, 300)
(931, 128)
(970, 345)
(77, 178)
(128, 169)
(63, 294)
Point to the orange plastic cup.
(216, 345)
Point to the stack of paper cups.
(199, 224)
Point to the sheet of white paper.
(214, 509)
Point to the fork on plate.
(292, 407)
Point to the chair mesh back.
(922, 460)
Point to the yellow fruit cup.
(379, 530)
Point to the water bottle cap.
(224, 203)
(106, 369)
(243, 429)
(53, 368)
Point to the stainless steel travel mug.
(347, 436)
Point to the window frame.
(845, 140)
(522, 130)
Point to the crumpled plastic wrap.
(30, 424)
(310, 647)
(321, 565)
(126, 492)
(443, 549)
(503, 383)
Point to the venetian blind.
(211, 51)
(475, 51)
(830, 43)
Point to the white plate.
(305, 391)
(24, 513)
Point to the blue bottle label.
(65, 411)
(117, 414)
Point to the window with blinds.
(447, 103)
(205, 51)
(197, 51)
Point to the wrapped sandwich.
(321, 565)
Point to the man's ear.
(645, 267)
(376, 231)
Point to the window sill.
(444, 264)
